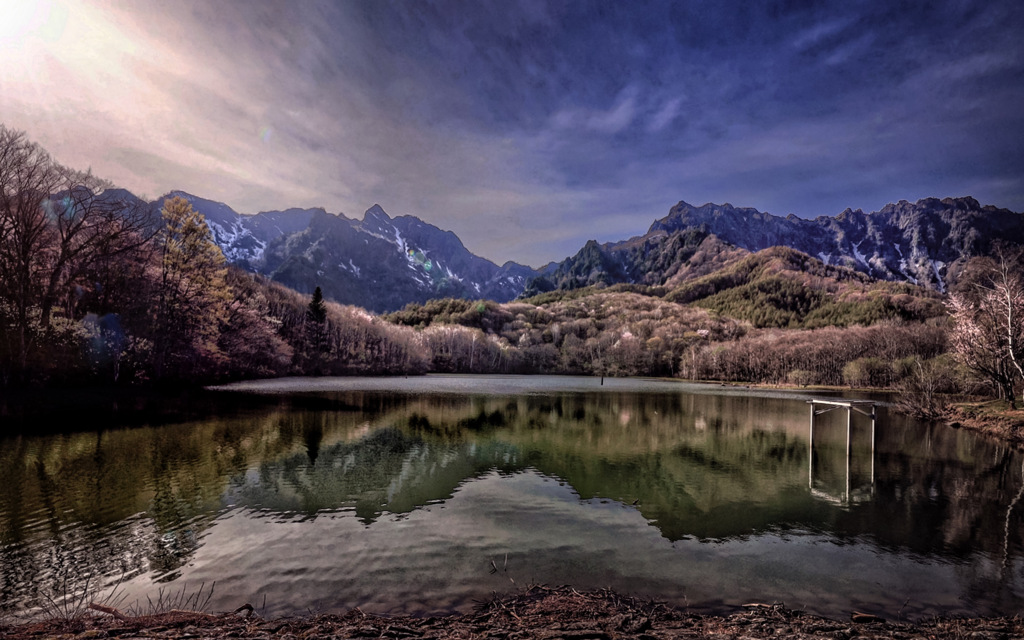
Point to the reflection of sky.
(437, 558)
(493, 385)
(527, 127)
(365, 503)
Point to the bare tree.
(988, 320)
(54, 226)
(27, 178)
(87, 227)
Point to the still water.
(397, 495)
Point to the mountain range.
(379, 263)
(382, 263)
(923, 243)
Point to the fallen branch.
(857, 616)
(108, 610)
(247, 608)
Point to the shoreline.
(535, 612)
(984, 418)
(989, 418)
(158, 404)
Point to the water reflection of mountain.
(387, 470)
(697, 466)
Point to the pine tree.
(317, 355)
(317, 309)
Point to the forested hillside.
(781, 287)
(619, 332)
(95, 288)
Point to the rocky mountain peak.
(923, 243)
(382, 263)
(377, 211)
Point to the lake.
(426, 495)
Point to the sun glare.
(22, 21)
(20, 18)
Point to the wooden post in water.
(850, 406)
(810, 451)
(873, 449)
(849, 436)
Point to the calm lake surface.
(396, 495)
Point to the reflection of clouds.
(375, 495)
(437, 559)
(79, 560)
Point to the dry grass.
(537, 612)
(69, 597)
(197, 601)
(993, 418)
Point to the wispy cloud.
(820, 32)
(613, 119)
(664, 116)
(528, 127)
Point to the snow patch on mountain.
(936, 231)
(860, 257)
(937, 266)
(307, 248)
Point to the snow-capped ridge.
(923, 242)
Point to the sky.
(527, 127)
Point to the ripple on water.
(394, 504)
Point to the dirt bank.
(991, 418)
(540, 612)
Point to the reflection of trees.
(691, 473)
(725, 466)
(121, 502)
(700, 466)
(39, 550)
(388, 470)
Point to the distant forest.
(94, 291)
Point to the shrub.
(801, 377)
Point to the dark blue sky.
(529, 127)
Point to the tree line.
(94, 288)
(626, 333)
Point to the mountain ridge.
(380, 263)
(383, 263)
(925, 243)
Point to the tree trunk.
(1007, 391)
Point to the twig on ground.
(108, 610)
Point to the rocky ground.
(539, 612)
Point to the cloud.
(617, 118)
(610, 120)
(819, 32)
(665, 115)
(529, 127)
(849, 50)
